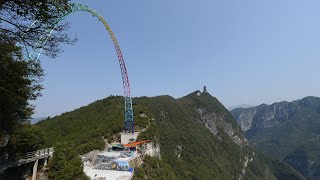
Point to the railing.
(25, 158)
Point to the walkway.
(26, 158)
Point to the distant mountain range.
(34, 120)
(240, 106)
(287, 131)
(197, 136)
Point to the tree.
(19, 83)
(19, 79)
(17, 15)
(26, 138)
(65, 164)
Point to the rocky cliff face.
(265, 116)
(214, 116)
(215, 122)
(217, 125)
(151, 149)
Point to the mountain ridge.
(240, 106)
(287, 131)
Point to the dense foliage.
(20, 79)
(19, 83)
(265, 168)
(65, 164)
(16, 17)
(154, 168)
(26, 138)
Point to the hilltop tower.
(204, 89)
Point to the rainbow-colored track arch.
(36, 52)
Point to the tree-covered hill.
(195, 127)
(82, 130)
(197, 136)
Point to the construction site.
(118, 160)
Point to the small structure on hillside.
(117, 147)
(204, 89)
(198, 93)
(142, 114)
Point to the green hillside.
(192, 132)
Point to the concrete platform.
(96, 174)
(125, 137)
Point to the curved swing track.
(36, 52)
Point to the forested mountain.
(197, 135)
(287, 131)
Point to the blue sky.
(245, 52)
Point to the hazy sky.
(245, 52)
